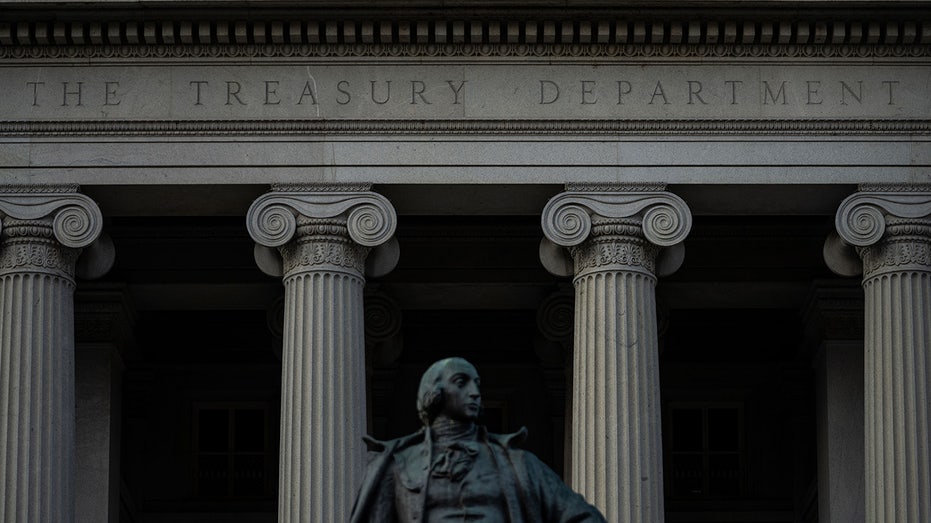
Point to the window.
(233, 458)
(705, 455)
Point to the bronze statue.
(454, 470)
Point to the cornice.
(296, 127)
(740, 34)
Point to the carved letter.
(35, 92)
(813, 86)
(587, 86)
(340, 87)
(658, 91)
(844, 89)
(891, 84)
(543, 84)
(773, 97)
(387, 92)
(623, 87)
(271, 89)
(456, 90)
(417, 89)
(694, 92)
(231, 93)
(65, 92)
(197, 96)
(308, 91)
(733, 84)
(109, 91)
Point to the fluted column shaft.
(892, 233)
(323, 404)
(617, 456)
(616, 413)
(42, 234)
(323, 379)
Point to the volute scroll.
(861, 217)
(76, 219)
(272, 218)
(567, 217)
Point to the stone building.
(685, 243)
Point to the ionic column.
(615, 239)
(324, 238)
(890, 228)
(42, 232)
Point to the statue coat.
(531, 490)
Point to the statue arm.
(558, 502)
(375, 501)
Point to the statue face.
(462, 400)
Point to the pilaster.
(834, 333)
(890, 229)
(42, 231)
(104, 319)
(324, 236)
(615, 236)
(553, 347)
(383, 346)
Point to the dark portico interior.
(201, 381)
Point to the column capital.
(76, 219)
(645, 214)
(887, 227)
(366, 219)
(272, 218)
(862, 217)
(567, 218)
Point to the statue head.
(449, 387)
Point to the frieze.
(370, 92)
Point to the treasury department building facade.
(686, 244)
